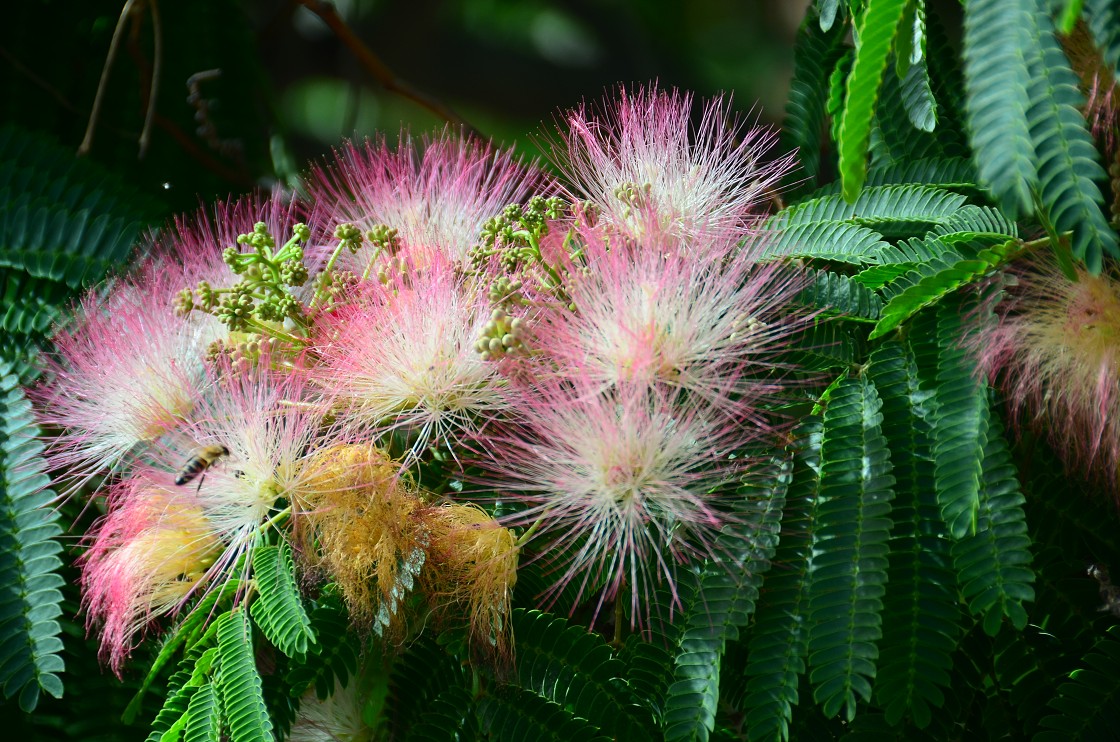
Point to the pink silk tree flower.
(436, 193)
(256, 429)
(698, 315)
(1054, 347)
(148, 556)
(127, 369)
(623, 484)
(408, 360)
(639, 153)
(124, 373)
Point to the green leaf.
(575, 669)
(835, 241)
(946, 173)
(997, 37)
(827, 10)
(917, 98)
(778, 641)
(278, 611)
(876, 208)
(1069, 165)
(185, 636)
(876, 30)
(993, 562)
(840, 294)
(724, 604)
(929, 282)
(334, 655)
(960, 421)
(30, 599)
(916, 651)
(850, 548)
(1104, 24)
(1088, 705)
(815, 53)
(203, 717)
(240, 684)
(515, 715)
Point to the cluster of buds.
(263, 295)
(500, 336)
(515, 234)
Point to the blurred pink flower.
(126, 370)
(640, 159)
(436, 192)
(1055, 350)
(147, 557)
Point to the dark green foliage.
(850, 540)
(241, 698)
(997, 80)
(514, 715)
(566, 665)
(919, 639)
(723, 603)
(29, 595)
(1088, 703)
(1104, 23)
(1069, 166)
(334, 656)
(993, 560)
(777, 646)
(876, 29)
(279, 611)
(815, 53)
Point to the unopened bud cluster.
(263, 295)
(501, 336)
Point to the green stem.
(528, 535)
(274, 332)
(276, 520)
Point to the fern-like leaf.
(929, 282)
(778, 641)
(877, 27)
(850, 546)
(960, 419)
(996, 37)
(1069, 166)
(514, 715)
(835, 241)
(842, 295)
(917, 98)
(815, 53)
(334, 655)
(724, 604)
(876, 208)
(203, 717)
(568, 666)
(278, 611)
(1089, 704)
(240, 684)
(946, 173)
(993, 563)
(917, 647)
(1104, 24)
(30, 600)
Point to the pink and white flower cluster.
(601, 355)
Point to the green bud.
(301, 232)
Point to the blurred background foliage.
(286, 89)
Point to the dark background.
(288, 89)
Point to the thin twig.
(153, 90)
(378, 69)
(103, 84)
